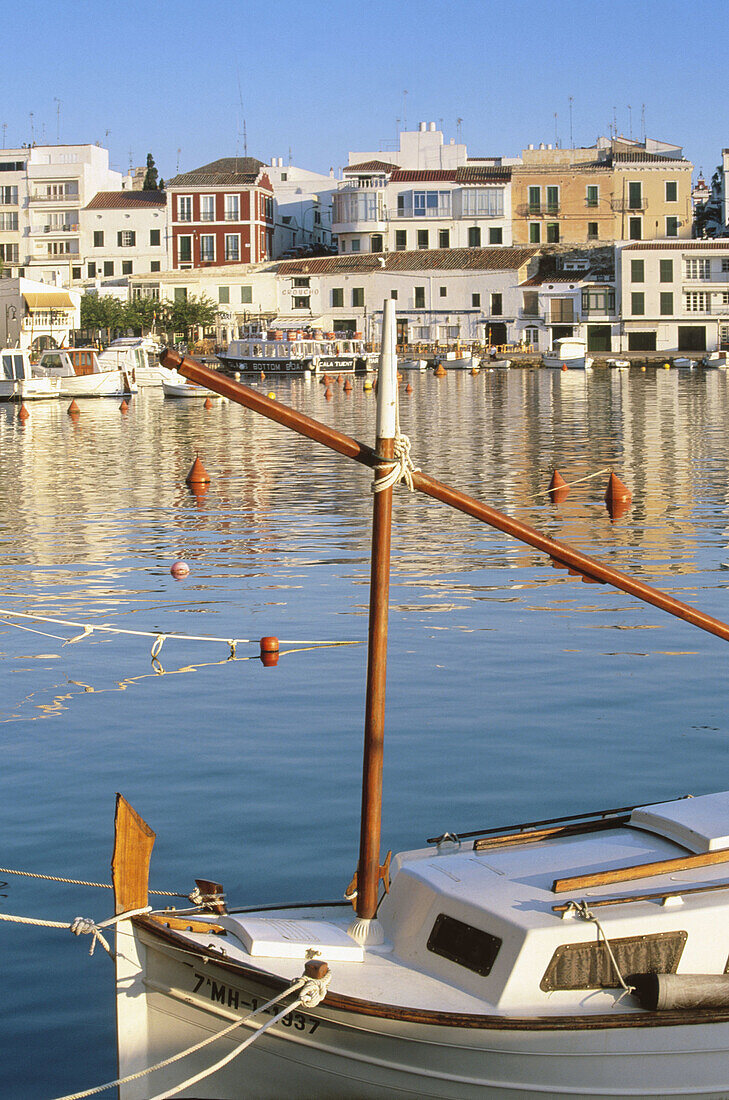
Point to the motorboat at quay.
(176, 385)
(279, 351)
(569, 353)
(80, 374)
(136, 356)
(582, 956)
(17, 381)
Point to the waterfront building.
(221, 213)
(302, 209)
(618, 189)
(43, 188)
(122, 233)
(35, 316)
(571, 294)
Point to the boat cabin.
(69, 362)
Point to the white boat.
(176, 385)
(715, 359)
(684, 361)
(412, 364)
(618, 364)
(17, 382)
(569, 352)
(584, 956)
(458, 360)
(279, 351)
(80, 374)
(136, 356)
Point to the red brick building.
(221, 214)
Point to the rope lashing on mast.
(583, 911)
(311, 991)
(401, 466)
(80, 925)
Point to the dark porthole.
(463, 944)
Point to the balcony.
(41, 196)
(563, 316)
(428, 212)
(40, 230)
(624, 206)
(361, 184)
(538, 210)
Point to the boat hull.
(104, 384)
(169, 999)
(28, 389)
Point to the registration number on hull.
(220, 993)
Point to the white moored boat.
(569, 353)
(582, 957)
(17, 382)
(80, 374)
(136, 356)
(460, 359)
(176, 385)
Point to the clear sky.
(316, 78)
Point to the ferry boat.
(583, 956)
(17, 382)
(279, 351)
(80, 374)
(569, 352)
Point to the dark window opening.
(588, 965)
(462, 944)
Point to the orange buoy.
(208, 403)
(198, 475)
(269, 651)
(440, 371)
(73, 409)
(180, 570)
(564, 366)
(263, 376)
(408, 388)
(328, 394)
(123, 408)
(558, 488)
(474, 371)
(347, 386)
(618, 497)
(399, 376)
(23, 413)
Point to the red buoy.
(558, 488)
(408, 388)
(198, 475)
(73, 409)
(269, 651)
(564, 366)
(347, 386)
(180, 570)
(618, 497)
(123, 408)
(328, 394)
(23, 413)
(208, 403)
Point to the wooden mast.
(368, 870)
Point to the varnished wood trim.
(573, 829)
(186, 924)
(133, 843)
(653, 895)
(640, 870)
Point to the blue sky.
(316, 78)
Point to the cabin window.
(461, 943)
(588, 965)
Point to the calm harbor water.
(514, 691)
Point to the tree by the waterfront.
(150, 176)
(185, 314)
(102, 313)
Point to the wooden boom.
(343, 444)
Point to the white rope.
(400, 467)
(100, 885)
(569, 484)
(80, 925)
(313, 989)
(582, 910)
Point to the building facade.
(122, 233)
(35, 316)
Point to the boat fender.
(664, 992)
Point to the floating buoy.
(208, 403)
(271, 395)
(618, 497)
(328, 394)
(326, 380)
(440, 371)
(180, 570)
(474, 371)
(643, 368)
(558, 488)
(347, 386)
(198, 475)
(564, 366)
(399, 376)
(666, 366)
(269, 651)
(123, 408)
(263, 376)
(23, 413)
(408, 388)
(73, 409)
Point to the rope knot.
(401, 468)
(314, 991)
(81, 926)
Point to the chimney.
(422, 126)
(432, 127)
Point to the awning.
(52, 299)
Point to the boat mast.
(368, 871)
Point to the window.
(423, 238)
(442, 291)
(698, 269)
(666, 271)
(474, 236)
(184, 208)
(127, 266)
(635, 196)
(444, 238)
(155, 265)
(98, 238)
(75, 272)
(592, 231)
(207, 248)
(154, 237)
(462, 944)
(671, 191)
(535, 200)
(376, 242)
(301, 280)
(355, 245)
(725, 265)
(552, 200)
(108, 268)
(9, 220)
(637, 303)
(531, 303)
(420, 297)
(127, 238)
(496, 235)
(299, 302)
(598, 301)
(401, 240)
(246, 295)
(552, 232)
(224, 295)
(666, 303)
(635, 229)
(637, 271)
(476, 300)
(337, 297)
(535, 233)
(207, 208)
(232, 247)
(696, 301)
(91, 269)
(353, 206)
(231, 208)
(672, 227)
(8, 196)
(180, 294)
(589, 966)
(496, 305)
(431, 204)
(393, 295)
(562, 311)
(593, 195)
(184, 250)
(357, 296)
(485, 201)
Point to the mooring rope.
(400, 467)
(569, 484)
(313, 991)
(83, 882)
(583, 911)
(80, 926)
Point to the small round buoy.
(180, 570)
(367, 385)
(666, 366)
(347, 386)
(23, 413)
(271, 395)
(123, 408)
(73, 409)
(328, 394)
(208, 403)
(440, 371)
(474, 371)
(408, 388)
(198, 475)
(564, 366)
(643, 368)
(263, 376)
(269, 651)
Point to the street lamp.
(8, 309)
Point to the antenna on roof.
(32, 129)
(177, 169)
(556, 138)
(57, 101)
(630, 122)
(572, 144)
(245, 139)
(131, 155)
(615, 122)
(642, 120)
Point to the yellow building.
(615, 190)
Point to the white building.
(35, 316)
(302, 208)
(122, 233)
